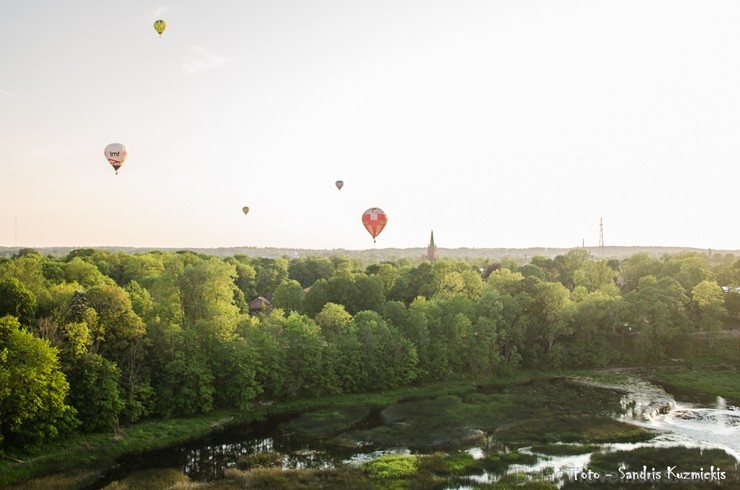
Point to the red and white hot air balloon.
(374, 220)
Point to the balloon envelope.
(116, 154)
(374, 220)
(339, 184)
(160, 26)
(245, 209)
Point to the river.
(677, 423)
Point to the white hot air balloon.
(116, 154)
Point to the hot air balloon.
(116, 154)
(245, 209)
(374, 220)
(339, 184)
(160, 26)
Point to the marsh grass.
(157, 479)
(583, 429)
(326, 422)
(277, 478)
(60, 481)
(701, 384)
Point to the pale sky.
(514, 123)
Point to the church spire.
(431, 248)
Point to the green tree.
(309, 270)
(184, 384)
(370, 293)
(142, 268)
(16, 300)
(568, 266)
(414, 326)
(707, 305)
(688, 269)
(32, 389)
(656, 310)
(388, 359)
(29, 270)
(732, 306)
(387, 272)
(595, 317)
(84, 273)
(234, 365)
(289, 296)
(302, 341)
(94, 392)
(596, 275)
(637, 266)
(271, 366)
(528, 270)
(482, 344)
(245, 276)
(316, 297)
(342, 289)
(270, 273)
(333, 320)
(545, 304)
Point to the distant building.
(431, 250)
(260, 305)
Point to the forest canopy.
(94, 339)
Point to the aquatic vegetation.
(392, 466)
(704, 385)
(499, 462)
(277, 478)
(60, 481)
(326, 422)
(564, 428)
(156, 479)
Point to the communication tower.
(601, 236)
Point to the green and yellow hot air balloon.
(160, 26)
(245, 209)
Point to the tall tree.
(32, 388)
(656, 310)
(16, 300)
(270, 273)
(94, 392)
(708, 308)
(289, 296)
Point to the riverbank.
(78, 462)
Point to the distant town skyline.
(509, 124)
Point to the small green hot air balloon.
(245, 209)
(160, 26)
